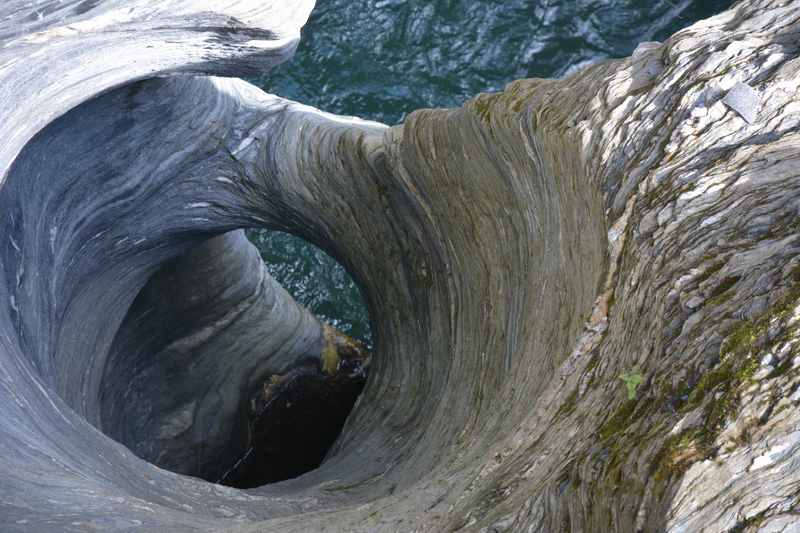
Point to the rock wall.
(584, 291)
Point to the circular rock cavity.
(518, 256)
(189, 386)
(89, 232)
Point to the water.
(316, 280)
(381, 59)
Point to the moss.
(482, 106)
(590, 367)
(569, 405)
(739, 361)
(789, 224)
(726, 405)
(619, 421)
(795, 273)
(724, 383)
(781, 408)
(708, 382)
(717, 393)
(722, 292)
(710, 271)
(330, 353)
(742, 338)
(679, 396)
(719, 300)
(678, 452)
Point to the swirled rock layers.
(584, 291)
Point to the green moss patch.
(722, 292)
(619, 421)
(718, 392)
(482, 105)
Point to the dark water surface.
(382, 59)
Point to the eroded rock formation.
(520, 255)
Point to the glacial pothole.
(294, 392)
(295, 417)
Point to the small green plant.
(632, 380)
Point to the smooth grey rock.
(496, 243)
(744, 100)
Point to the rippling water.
(316, 280)
(381, 59)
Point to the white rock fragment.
(795, 397)
(784, 351)
(647, 66)
(777, 452)
(695, 302)
(744, 100)
(763, 373)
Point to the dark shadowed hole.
(170, 407)
(292, 428)
(290, 432)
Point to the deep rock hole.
(295, 417)
(287, 422)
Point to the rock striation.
(584, 291)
